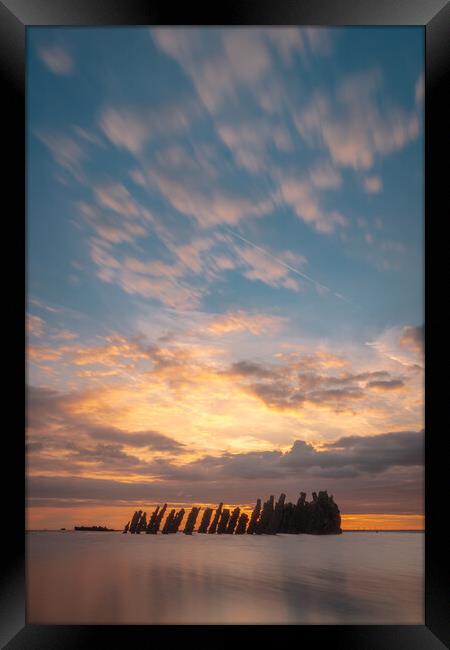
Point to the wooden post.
(213, 527)
(241, 525)
(168, 522)
(158, 518)
(254, 518)
(232, 521)
(266, 515)
(221, 528)
(274, 522)
(203, 528)
(190, 523)
(135, 521)
(177, 521)
(151, 522)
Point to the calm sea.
(107, 578)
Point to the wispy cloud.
(319, 286)
(57, 59)
(372, 184)
(354, 127)
(241, 321)
(65, 150)
(222, 63)
(131, 128)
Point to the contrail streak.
(288, 266)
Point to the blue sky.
(228, 195)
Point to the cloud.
(285, 259)
(64, 335)
(57, 59)
(170, 292)
(117, 198)
(195, 256)
(249, 369)
(346, 457)
(209, 204)
(392, 384)
(372, 184)
(378, 453)
(124, 128)
(252, 142)
(53, 418)
(65, 151)
(132, 128)
(224, 62)
(300, 382)
(197, 181)
(151, 439)
(291, 40)
(402, 345)
(399, 490)
(44, 353)
(301, 195)
(241, 321)
(217, 61)
(118, 352)
(413, 338)
(354, 127)
(35, 325)
(109, 226)
(167, 290)
(325, 176)
(264, 269)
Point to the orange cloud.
(242, 321)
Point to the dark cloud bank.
(370, 473)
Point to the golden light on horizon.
(117, 516)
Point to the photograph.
(225, 397)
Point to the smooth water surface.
(106, 578)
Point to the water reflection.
(88, 578)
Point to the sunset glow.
(224, 271)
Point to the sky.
(224, 270)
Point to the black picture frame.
(434, 16)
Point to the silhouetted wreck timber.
(321, 516)
(241, 524)
(254, 518)
(157, 521)
(324, 516)
(135, 521)
(215, 521)
(203, 528)
(126, 529)
(299, 517)
(232, 521)
(221, 528)
(190, 523)
(274, 523)
(266, 516)
(287, 515)
(152, 520)
(142, 524)
(168, 523)
(177, 521)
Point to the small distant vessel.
(95, 528)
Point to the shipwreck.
(321, 516)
